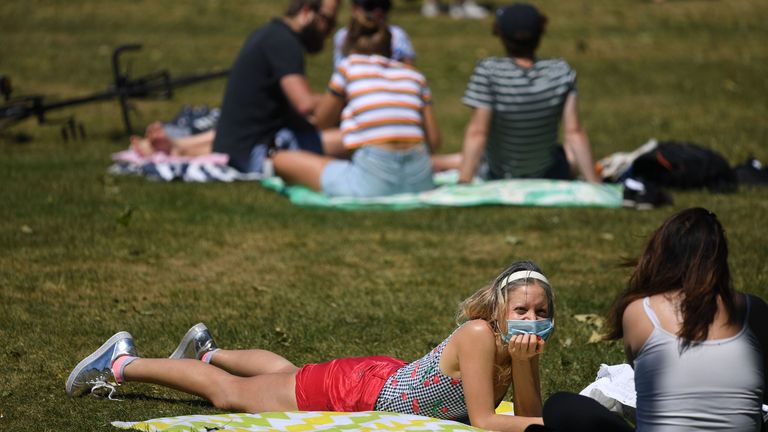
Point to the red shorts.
(344, 385)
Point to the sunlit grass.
(83, 255)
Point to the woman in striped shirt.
(385, 110)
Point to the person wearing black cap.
(402, 48)
(519, 102)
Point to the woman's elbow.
(483, 423)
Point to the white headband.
(522, 274)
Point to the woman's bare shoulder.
(634, 313)
(636, 326)
(475, 334)
(475, 328)
(474, 338)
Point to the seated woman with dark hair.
(696, 344)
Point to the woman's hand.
(525, 346)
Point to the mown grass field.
(84, 255)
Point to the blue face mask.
(543, 328)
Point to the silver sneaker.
(95, 371)
(195, 343)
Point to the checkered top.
(420, 388)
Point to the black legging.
(570, 412)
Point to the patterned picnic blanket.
(162, 167)
(518, 192)
(302, 421)
(528, 192)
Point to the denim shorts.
(374, 171)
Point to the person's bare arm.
(526, 384)
(636, 327)
(475, 137)
(476, 350)
(299, 95)
(431, 130)
(576, 141)
(328, 111)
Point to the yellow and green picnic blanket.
(302, 421)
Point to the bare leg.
(332, 144)
(194, 145)
(141, 145)
(300, 167)
(444, 162)
(248, 363)
(157, 137)
(270, 392)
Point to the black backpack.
(684, 165)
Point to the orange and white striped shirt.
(384, 100)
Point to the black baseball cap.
(519, 21)
(371, 5)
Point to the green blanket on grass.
(303, 421)
(519, 192)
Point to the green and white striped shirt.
(527, 105)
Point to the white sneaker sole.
(178, 353)
(96, 354)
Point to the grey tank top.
(716, 385)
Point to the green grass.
(315, 284)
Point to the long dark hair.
(689, 252)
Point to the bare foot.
(158, 138)
(141, 145)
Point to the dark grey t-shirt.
(254, 106)
(527, 105)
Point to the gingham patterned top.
(420, 388)
(384, 100)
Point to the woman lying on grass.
(463, 378)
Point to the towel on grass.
(303, 421)
(520, 192)
(524, 192)
(614, 388)
(162, 167)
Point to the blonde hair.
(367, 35)
(490, 304)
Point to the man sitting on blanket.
(268, 98)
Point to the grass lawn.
(84, 255)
